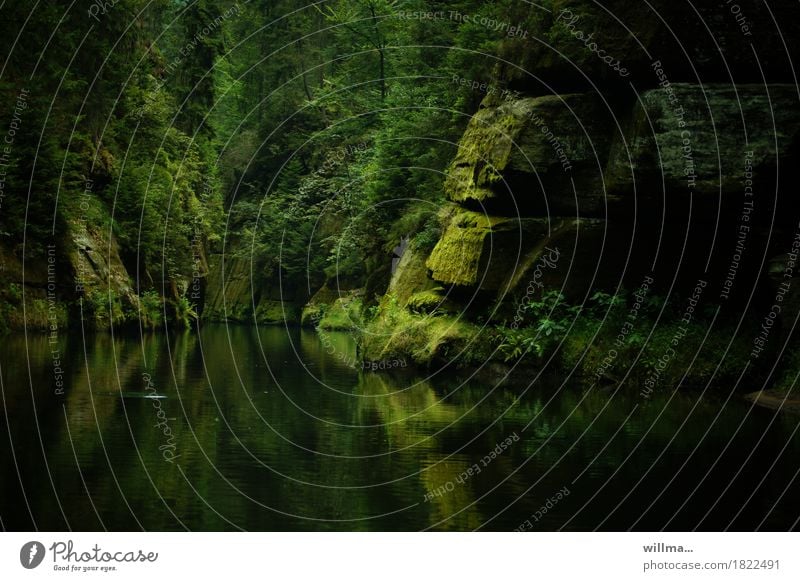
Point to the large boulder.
(523, 157)
(410, 276)
(504, 256)
(695, 139)
(479, 251)
(577, 44)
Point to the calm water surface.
(265, 429)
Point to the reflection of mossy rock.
(523, 156)
(701, 132)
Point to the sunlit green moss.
(397, 333)
(456, 259)
(344, 314)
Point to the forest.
(409, 194)
(222, 126)
(161, 149)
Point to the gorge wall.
(625, 160)
(580, 175)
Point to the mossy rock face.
(33, 292)
(39, 314)
(344, 314)
(271, 312)
(312, 314)
(482, 251)
(483, 153)
(411, 275)
(703, 41)
(230, 295)
(333, 310)
(505, 256)
(100, 276)
(326, 296)
(431, 301)
(700, 133)
(456, 257)
(314, 310)
(522, 156)
(423, 339)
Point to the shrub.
(150, 309)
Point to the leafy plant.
(151, 306)
(184, 313)
(14, 292)
(515, 344)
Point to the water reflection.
(269, 429)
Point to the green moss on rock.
(343, 315)
(701, 150)
(271, 312)
(397, 333)
(333, 311)
(456, 257)
(411, 275)
(477, 250)
(553, 141)
(431, 301)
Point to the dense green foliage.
(308, 140)
(323, 130)
(114, 138)
(347, 116)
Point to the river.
(235, 427)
